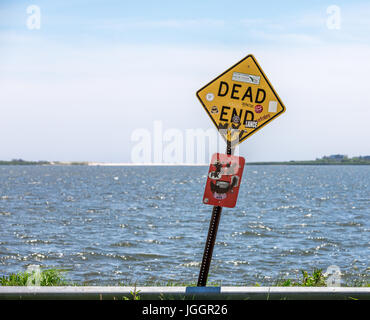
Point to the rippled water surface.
(111, 225)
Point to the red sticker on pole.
(223, 181)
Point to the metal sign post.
(210, 243)
(211, 237)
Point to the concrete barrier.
(204, 293)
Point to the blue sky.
(95, 71)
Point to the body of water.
(111, 225)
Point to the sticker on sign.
(247, 78)
(273, 106)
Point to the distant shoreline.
(319, 162)
(313, 162)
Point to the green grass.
(49, 277)
(54, 277)
(316, 279)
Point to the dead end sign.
(241, 100)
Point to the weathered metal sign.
(241, 100)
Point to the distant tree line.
(335, 159)
(23, 162)
(331, 159)
(40, 162)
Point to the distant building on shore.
(335, 157)
(343, 157)
(364, 157)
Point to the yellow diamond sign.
(241, 100)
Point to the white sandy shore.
(115, 164)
